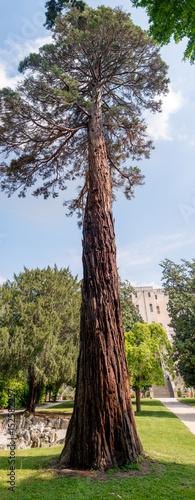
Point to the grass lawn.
(170, 475)
(65, 408)
(188, 401)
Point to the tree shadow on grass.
(162, 480)
(155, 414)
(157, 411)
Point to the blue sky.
(158, 223)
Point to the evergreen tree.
(130, 314)
(179, 285)
(78, 113)
(147, 348)
(40, 327)
(55, 7)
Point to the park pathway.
(184, 412)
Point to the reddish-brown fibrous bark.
(102, 431)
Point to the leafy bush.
(20, 389)
(66, 396)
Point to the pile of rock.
(33, 432)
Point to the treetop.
(44, 122)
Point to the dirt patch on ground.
(148, 466)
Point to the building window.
(149, 294)
(156, 297)
(158, 309)
(151, 308)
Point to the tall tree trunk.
(33, 389)
(102, 430)
(138, 404)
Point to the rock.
(5, 423)
(56, 423)
(34, 435)
(50, 422)
(32, 432)
(36, 443)
(60, 435)
(64, 423)
(50, 435)
(45, 437)
(27, 424)
(39, 427)
(20, 444)
(42, 421)
(27, 436)
(44, 443)
(60, 443)
(35, 420)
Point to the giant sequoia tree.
(78, 113)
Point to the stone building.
(152, 305)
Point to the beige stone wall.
(152, 305)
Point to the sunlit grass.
(188, 401)
(62, 408)
(164, 438)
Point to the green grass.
(188, 401)
(66, 407)
(171, 476)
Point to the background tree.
(169, 18)
(179, 284)
(40, 327)
(55, 7)
(148, 349)
(18, 385)
(78, 113)
(130, 314)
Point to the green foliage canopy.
(130, 314)
(55, 7)
(18, 386)
(39, 325)
(44, 122)
(171, 17)
(179, 284)
(147, 347)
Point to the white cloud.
(13, 54)
(19, 50)
(155, 285)
(2, 280)
(5, 79)
(159, 126)
(192, 143)
(150, 251)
